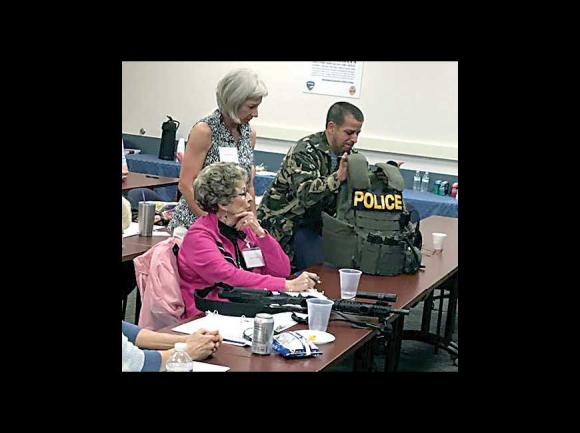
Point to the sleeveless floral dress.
(220, 137)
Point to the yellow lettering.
(399, 202)
(368, 200)
(372, 201)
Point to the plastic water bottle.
(425, 182)
(180, 148)
(180, 360)
(417, 181)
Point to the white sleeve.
(126, 213)
(133, 358)
(123, 157)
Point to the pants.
(307, 245)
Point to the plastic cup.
(146, 218)
(349, 279)
(319, 313)
(438, 241)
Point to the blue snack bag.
(293, 345)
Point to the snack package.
(289, 344)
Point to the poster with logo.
(333, 78)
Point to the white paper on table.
(132, 230)
(160, 233)
(204, 366)
(283, 321)
(309, 292)
(233, 327)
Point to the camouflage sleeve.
(307, 173)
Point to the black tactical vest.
(372, 230)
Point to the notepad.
(233, 327)
(204, 366)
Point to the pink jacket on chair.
(158, 282)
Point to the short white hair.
(236, 87)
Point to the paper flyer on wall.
(333, 78)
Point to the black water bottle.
(167, 147)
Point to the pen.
(152, 177)
(235, 342)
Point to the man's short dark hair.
(338, 111)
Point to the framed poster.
(334, 78)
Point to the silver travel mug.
(146, 218)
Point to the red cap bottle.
(454, 189)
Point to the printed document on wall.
(333, 78)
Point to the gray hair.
(217, 184)
(237, 86)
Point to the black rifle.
(253, 301)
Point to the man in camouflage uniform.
(307, 184)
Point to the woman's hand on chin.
(248, 219)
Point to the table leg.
(363, 358)
(424, 335)
(451, 308)
(393, 344)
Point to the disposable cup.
(438, 241)
(349, 279)
(319, 313)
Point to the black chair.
(128, 284)
(141, 194)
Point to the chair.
(128, 284)
(141, 194)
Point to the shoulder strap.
(394, 178)
(358, 172)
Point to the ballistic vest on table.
(372, 230)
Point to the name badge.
(253, 257)
(229, 154)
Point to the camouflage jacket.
(301, 190)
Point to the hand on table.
(202, 343)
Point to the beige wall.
(410, 108)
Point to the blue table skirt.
(151, 164)
(428, 204)
(262, 182)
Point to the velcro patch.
(366, 200)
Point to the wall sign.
(333, 78)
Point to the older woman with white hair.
(228, 244)
(225, 135)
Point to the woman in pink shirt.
(229, 245)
